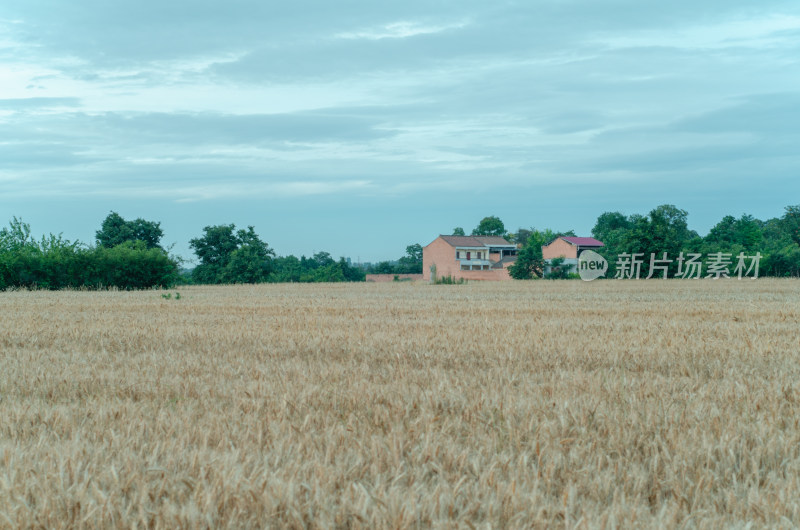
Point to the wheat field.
(404, 405)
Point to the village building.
(468, 258)
(569, 248)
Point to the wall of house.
(492, 275)
(443, 256)
(559, 248)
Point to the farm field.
(519, 404)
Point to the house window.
(458, 254)
(468, 253)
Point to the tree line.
(128, 254)
(665, 229)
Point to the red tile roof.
(583, 241)
(476, 241)
(494, 241)
(462, 241)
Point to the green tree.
(286, 269)
(383, 267)
(745, 233)
(529, 263)
(458, 231)
(16, 236)
(490, 226)
(612, 230)
(558, 270)
(411, 263)
(664, 229)
(323, 259)
(248, 264)
(319, 268)
(116, 230)
(57, 263)
(351, 273)
(610, 226)
(521, 235)
(791, 220)
(228, 255)
(130, 265)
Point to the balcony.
(474, 264)
(474, 261)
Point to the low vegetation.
(397, 405)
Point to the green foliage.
(16, 237)
(411, 263)
(521, 235)
(319, 268)
(228, 255)
(383, 267)
(130, 265)
(458, 231)
(57, 263)
(665, 229)
(745, 232)
(115, 230)
(791, 221)
(248, 264)
(529, 263)
(544, 237)
(783, 262)
(558, 269)
(490, 226)
(448, 280)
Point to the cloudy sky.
(359, 127)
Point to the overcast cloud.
(360, 127)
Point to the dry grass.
(609, 404)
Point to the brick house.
(569, 248)
(468, 257)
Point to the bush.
(56, 263)
(449, 280)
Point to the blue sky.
(361, 127)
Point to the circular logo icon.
(591, 265)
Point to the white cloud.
(399, 30)
(755, 33)
(271, 190)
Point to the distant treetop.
(490, 226)
(115, 230)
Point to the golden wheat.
(519, 404)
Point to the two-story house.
(468, 257)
